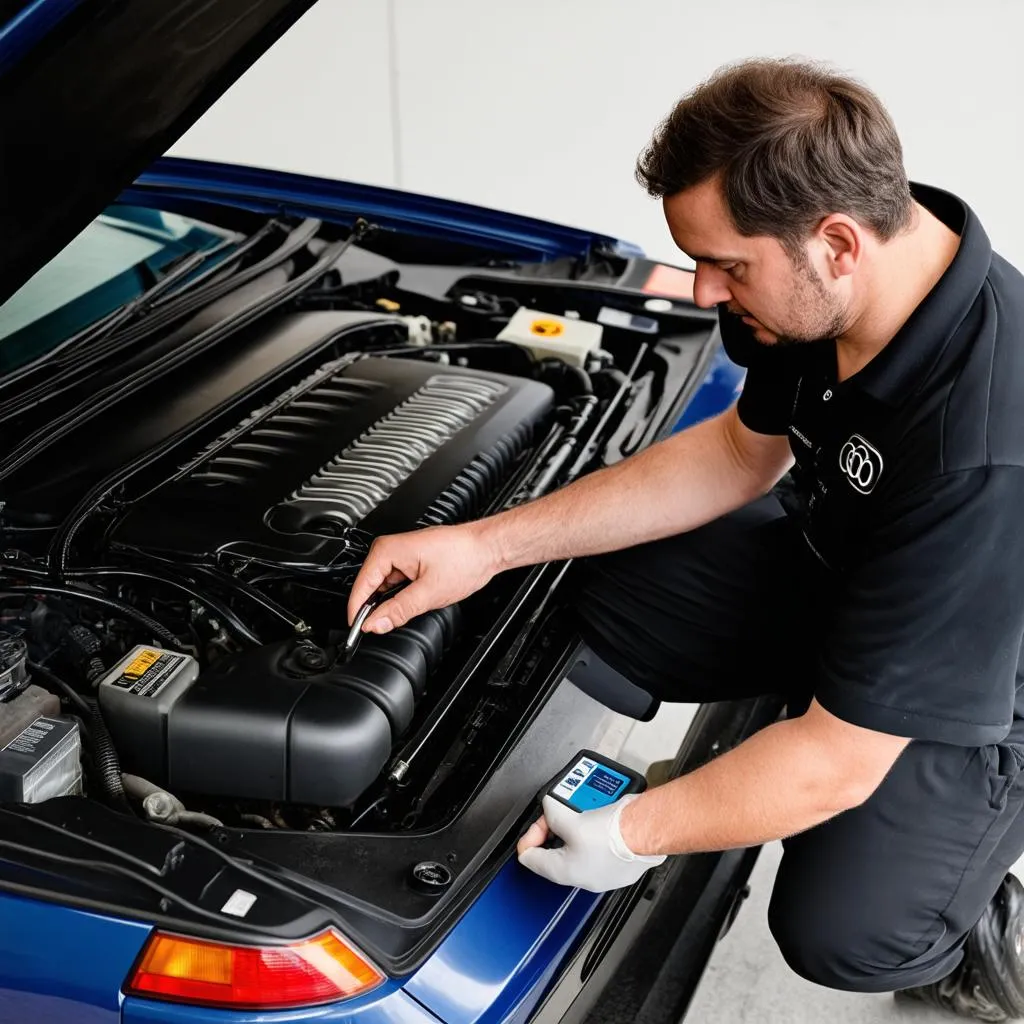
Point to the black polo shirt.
(910, 491)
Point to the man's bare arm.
(785, 779)
(676, 485)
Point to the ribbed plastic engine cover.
(371, 445)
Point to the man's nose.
(710, 286)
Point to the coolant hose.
(557, 368)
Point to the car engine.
(177, 557)
(381, 445)
(375, 446)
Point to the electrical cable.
(74, 593)
(221, 610)
(214, 605)
(115, 869)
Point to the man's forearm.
(779, 782)
(670, 488)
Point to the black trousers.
(881, 897)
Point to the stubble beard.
(824, 315)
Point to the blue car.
(217, 385)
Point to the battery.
(136, 697)
(20, 712)
(40, 753)
(42, 762)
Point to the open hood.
(92, 91)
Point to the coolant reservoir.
(547, 335)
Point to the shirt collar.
(909, 359)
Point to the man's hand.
(594, 856)
(445, 564)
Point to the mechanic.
(877, 581)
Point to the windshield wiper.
(71, 420)
(121, 316)
(167, 307)
(158, 307)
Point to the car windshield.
(118, 257)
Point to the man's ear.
(843, 241)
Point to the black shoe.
(988, 984)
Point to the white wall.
(540, 106)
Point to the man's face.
(784, 299)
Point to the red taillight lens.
(317, 970)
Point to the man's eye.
(732, 269)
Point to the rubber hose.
(225, 613)
(579, 376)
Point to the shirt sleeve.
(766, 401)
(925, 636)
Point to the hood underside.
(91, 93)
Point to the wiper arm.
(175, 306)
(62, 425)
(101, 329)
(162, 306)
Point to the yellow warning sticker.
(546, 328)
(144, 661)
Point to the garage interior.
(540, 108)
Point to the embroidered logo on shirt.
(861, 463)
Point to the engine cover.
(288, 721)
(381, 444)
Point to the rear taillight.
(317, 970)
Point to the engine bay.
(182, 522)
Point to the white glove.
(595, 856)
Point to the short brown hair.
(793, 142)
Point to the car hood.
(92, 91)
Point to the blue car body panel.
(495, 964)
(276, 192)
(719, 389)
(62, 964)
